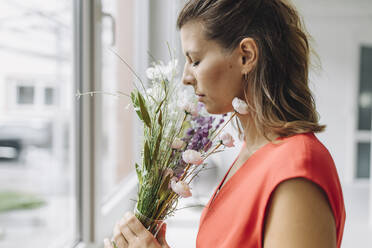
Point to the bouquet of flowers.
(178, 136)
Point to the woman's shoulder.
(300, 154)
(304, 146)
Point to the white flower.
(152, 73)
(171, 69)
(181, 188)
(159, 71)
(177, 143)
(149, 91)
(240, 106)
(192, 157)
(227, 139)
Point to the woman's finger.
(135, 225)
(120, 241)
(128, 234)
(118, 238)
(107, 243)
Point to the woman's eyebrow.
(188, 53)
(191, 52)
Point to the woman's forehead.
(192, 37)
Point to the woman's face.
(214, 73)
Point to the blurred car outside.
(16, 136)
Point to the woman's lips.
(201, 97)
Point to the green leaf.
(144, 112)
(139, 175)
(160, 119)
(139, 114)
(161, 103)
(134, 99)
(163, 189)
(135, 104)
(157, 145)
(158, 140)
(147, 156)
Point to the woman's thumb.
(161, 236)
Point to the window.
(25, 95)
(38, 199)
(30, 91)
(363, 159)
(48, 96)
(364, 114)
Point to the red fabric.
(235, 218)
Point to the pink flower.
(192, 157)
(227, 139)
(240, 106)
(177, 143)
(181, 188)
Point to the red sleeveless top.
(235, 218)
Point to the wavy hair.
(277, 89)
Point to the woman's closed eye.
(195, 63)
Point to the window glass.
(365, 89)
(25, 95)
(49, 96)
(363, 161)
(117, 120)
(37, 179)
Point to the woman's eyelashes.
(195, 63)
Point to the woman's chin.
(215, 111)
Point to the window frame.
(94, 219)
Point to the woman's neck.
(252, 137)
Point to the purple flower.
(190, 131)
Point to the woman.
(283, 189)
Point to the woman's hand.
(130, 233)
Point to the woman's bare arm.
(299, 215)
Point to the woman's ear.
(249, 53)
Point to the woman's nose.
(187, 77)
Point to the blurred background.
(66, 164)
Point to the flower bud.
(181, 188)
(227, 139)
(192, 157)
(240, 106)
